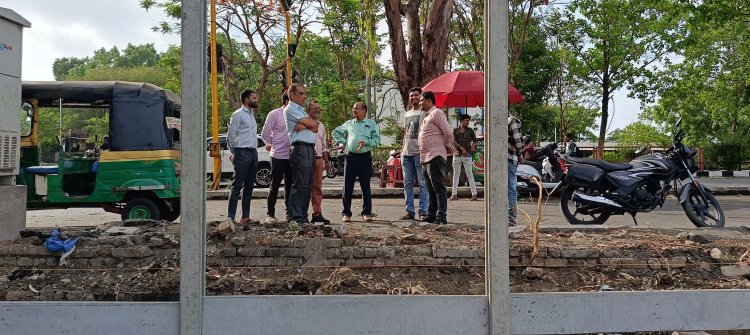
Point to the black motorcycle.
(596, 189)
(335, 164)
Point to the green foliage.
(709, 89)
(729, 154)
(641, 135)
(613, 43)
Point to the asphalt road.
(736, 208)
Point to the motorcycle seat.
(604, 165)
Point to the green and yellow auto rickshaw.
(133, 170)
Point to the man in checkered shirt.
(515, 148)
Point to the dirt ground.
(156, 280)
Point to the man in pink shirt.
(435, 142)
(277, 142)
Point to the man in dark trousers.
(361, 135)
(277, 142)
(301, 130)
(435, 144)
(242, 140)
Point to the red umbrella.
(464, 89)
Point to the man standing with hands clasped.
(242, 140)
(464, 146)
(435, 142)
(360, 135)
(301, 129)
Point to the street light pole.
(286, 4)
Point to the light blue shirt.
(293, 113)
(243, 130)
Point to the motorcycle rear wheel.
(699, 211)
(598, 217)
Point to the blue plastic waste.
(54, 243)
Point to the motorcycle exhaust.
(595, 200)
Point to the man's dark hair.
(428, 95)
(245, 94)
(294, 87)
(416, 89)
(464, 117)
(569, 135)
(284, 97)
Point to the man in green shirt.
(360, 136)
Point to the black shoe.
(320, 218)
(429, 219)
(441, 221)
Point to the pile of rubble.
(139, 261)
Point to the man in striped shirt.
(515, 148)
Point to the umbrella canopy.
(464, 89)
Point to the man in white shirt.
(242, 140)
(411, 166)
(321, 156)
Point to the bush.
(728, 154)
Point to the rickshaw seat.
(42, 170)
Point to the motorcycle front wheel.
(579, 213)
(331, 171)
(703, 212)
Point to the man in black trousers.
(302, 135)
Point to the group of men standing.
(296, 139)
(428, 140)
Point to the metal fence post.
(496, 195)
(193, 176)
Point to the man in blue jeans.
(411, 165)
(515, 148)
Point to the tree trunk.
(427, 53)
(401, 69)
(435, 47)
(605, 117)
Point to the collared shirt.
(435, 135)
(515, 139)
(243, 130)
(292, 114)
(463, 139)
(320, 144)
(353, 131)
(412, 119)
(275, 134)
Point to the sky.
(76, 28)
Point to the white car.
(262, 177)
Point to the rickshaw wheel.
(141, 209)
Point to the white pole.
(496, 154)
(193, 175)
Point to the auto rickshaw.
(135, 174)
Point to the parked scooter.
(544, 166)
